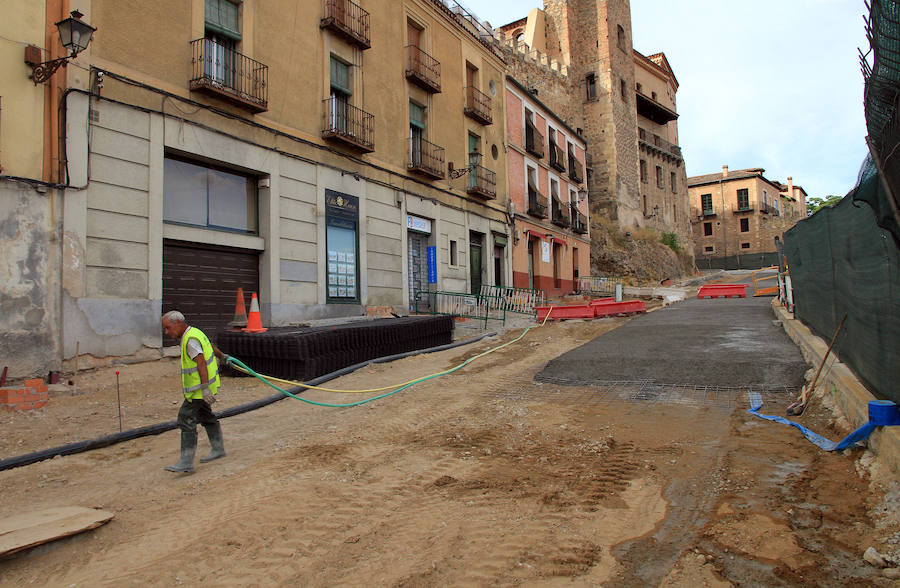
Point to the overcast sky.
(770, 83)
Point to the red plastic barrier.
(613, 308)
(600, 301)
(722, 291)
(579, 311)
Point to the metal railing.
(598, 284)
(347, 18)
(560, 214)
(515, 300)
(482, 182)
(460, 304)
(534, 141)
(478, 105)
(655, 140)
(537, 204)
(230, 74)
(557, 157)
(423, 69)
(348, 123)
(426, 157)
(579, 220)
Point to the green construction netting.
(882, 92)
(841, 261)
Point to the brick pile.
(31, 395)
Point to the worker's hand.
(208, 396)
(226, 358)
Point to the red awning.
(536, 234)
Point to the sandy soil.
(481, 477)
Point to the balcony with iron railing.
(537, 204)
(656, 143)
(478, 106)
(575, 170)
(579, 220)
(423, 69)
(222, 72)
(482, 182)
(534, 141)
(560, 216)
(349, 20)
(426, 158)
(743, 206)
(557, 157)
(348, 124)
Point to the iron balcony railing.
(348, 19)
(426, 158)
(557, 157)
(579, 220)
(423, 69)
(560, 214)
(654, 140)
(223, 72)
(482, 182)
(537, 204)
(575, 170)
(534, 141)
(349, 124)
(478, 105)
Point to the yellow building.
(739, 215)
(319, 153)
(30, 203)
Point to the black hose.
(107, 440)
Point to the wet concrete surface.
(728, 342)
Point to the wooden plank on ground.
(27, 530)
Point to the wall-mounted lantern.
(75, 35)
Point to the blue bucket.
(883, 413)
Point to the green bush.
(671, 240)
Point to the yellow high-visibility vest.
(190, 377)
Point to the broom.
(798, 407)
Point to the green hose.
(243, 366)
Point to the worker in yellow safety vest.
(200, 383)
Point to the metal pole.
(119, 401)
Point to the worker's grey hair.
(173, 316)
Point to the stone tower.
(593, 37)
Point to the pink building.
(548, 194)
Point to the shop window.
(342, 239)
(205, 196)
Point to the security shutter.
(202, 280)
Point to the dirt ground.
(481, 477)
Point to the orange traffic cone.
(254, 321)
(240, 312)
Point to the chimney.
(790, 186)
(724, 171)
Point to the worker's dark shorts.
(195, 412)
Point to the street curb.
(839, 381)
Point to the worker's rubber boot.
(214, 432)
(188, 449)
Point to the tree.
(814, 204)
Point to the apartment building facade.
(330, 155)
(738, 216)
(663, 180)
(551, 235)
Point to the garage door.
(202, 281)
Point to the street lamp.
(474, 161)
(75, 35)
